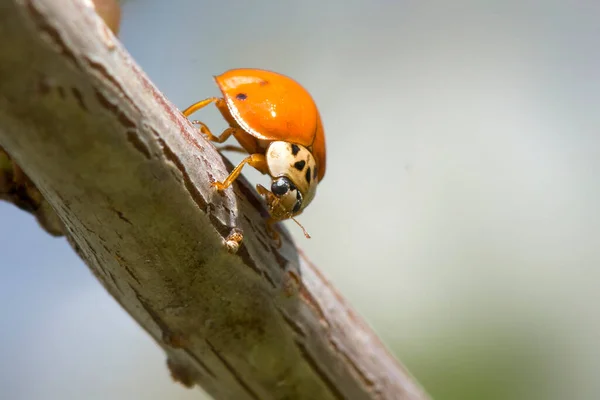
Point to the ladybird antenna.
(301, 227)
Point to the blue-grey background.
(458, 213)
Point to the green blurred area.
(481, 365)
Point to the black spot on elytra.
(315, 173)
(263, 83)
(299, 165)
(295, 149)
(241, 96)
(307, 176)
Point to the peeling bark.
(129, 178)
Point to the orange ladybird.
(276, 121)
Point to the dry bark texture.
(129, 179)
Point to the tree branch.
(129, 177)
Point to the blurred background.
(458, 214)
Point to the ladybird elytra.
(276, 121)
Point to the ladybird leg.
(263, 191)
(209, 135)
(270, 198)
(257, 161)
(228, 147)
(203, 128)
(274, 234)
(201, 104)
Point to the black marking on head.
(295, 149)
(315, 173)
(298, 203)
(241, 96)
(299, 165)
(307, 176)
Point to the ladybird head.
(294, 178)
(287, 193)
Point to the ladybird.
(276, 121)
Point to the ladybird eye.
(280, 186)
